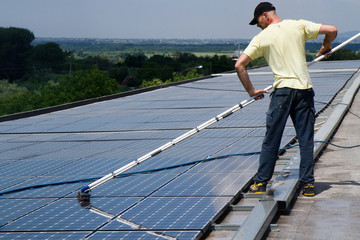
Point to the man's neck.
(275, 19)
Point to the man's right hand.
(325, 48)
(259, 93)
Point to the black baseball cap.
(260, 9)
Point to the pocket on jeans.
(269, 118)
(281, 99)
(307, 100)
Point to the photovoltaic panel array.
(65, 150)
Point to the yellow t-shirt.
(283, 47)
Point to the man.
(282, 44)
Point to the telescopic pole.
(86, 189)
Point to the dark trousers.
(299, 104)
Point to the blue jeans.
(299, 104)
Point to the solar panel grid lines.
(93, 140)
(214, 184)
(140, 185)
(8, 212)
(65, 214)
(162, 213)
(48, 189)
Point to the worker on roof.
(282, 44)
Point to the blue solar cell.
(31, 167)
(11, 209)
(7, 146)
(231, 164)
(167, 160)
(32, 128)
(207, 184)
(8, 182)
(136, 185)
(51, 189)
(90, 167)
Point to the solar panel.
(172, 213)
(90, 141)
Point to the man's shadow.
(319, 188)
(324, 186)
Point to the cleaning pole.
(84, 191)
(153, 153)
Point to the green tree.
(119, 73)
(175, 78)
(83, 85)
(135, 61)
(189, 58)
(161, 60)
(15, 44)
(48, 55)
(87, 84)
(88, 63)
(7, 89)
(221, 64)
(18, 102)
(151, 70)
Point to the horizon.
(341, 37)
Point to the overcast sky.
(184, 19)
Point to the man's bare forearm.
(243, 74)
(245, 80)
(330, 35)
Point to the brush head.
(83, 198)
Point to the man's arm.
(240, 65)
(330, 32)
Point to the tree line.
(43, 75)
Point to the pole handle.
(334, 49)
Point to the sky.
(166, 19)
